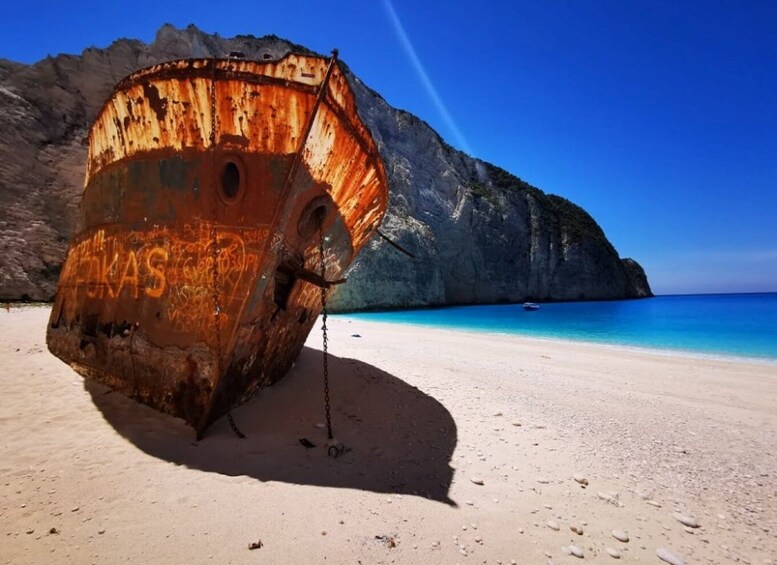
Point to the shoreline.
(464, 448)
(647, 349)
(660, 351)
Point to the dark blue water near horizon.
(743, 325)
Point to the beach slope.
(467, 448)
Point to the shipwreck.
(222, 198)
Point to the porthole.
(313, 217)
(230, 180)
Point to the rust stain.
(185, 287)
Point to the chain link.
(324, 332)
(234, 427)
(213, 231)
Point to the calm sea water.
(724, 324)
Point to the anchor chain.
(234, 427)
(213, 232)
(334, 447)
(325, 335)
(214, 239)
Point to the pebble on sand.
(669, 557)
(576, 551)
(580, 479)
(477, 480)
(620, 535)
(685, 520)
(553, 525)
(614, 553)
(543, 481)
(577, 529)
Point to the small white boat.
(531, 306)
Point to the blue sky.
(659, 118)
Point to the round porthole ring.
(313, 214)
(231, 179)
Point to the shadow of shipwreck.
(401, 439)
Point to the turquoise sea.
(742, 325)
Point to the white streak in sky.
(421, 71)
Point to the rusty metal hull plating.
(209, 185)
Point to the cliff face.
(479, 234)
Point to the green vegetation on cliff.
(571, 219)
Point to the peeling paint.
(163, 240)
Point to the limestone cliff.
(479, 234)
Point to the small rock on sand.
(553, 525)
(543, 481)
(517, 424)
(581, 479)
(685, 520)
(654, 503)
(577, 529)
(614, 553)
(669, 557)
(477, 480)
(620, 535)
(576, 551)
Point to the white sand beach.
(88, 476)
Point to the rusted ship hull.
(215, 191)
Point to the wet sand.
(88, 476)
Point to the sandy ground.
(88, 476)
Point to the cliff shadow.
(401, 440)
